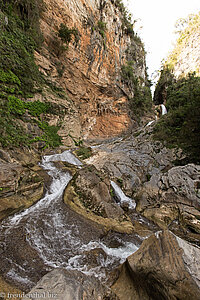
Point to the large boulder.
(20, 185)
(90, 194)
(164, 268)
(62, 284)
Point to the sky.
(157, 19)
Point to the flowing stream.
(49, 235)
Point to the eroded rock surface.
(90, 70)
(172, 200)
(21, 183)
(133, 159)
(66, 285)
(165, 194)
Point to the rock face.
(165, 267)
(21, 183)
(172, 200)
(66, 285)
(134, 160)
(186, 52)
(167, 195)
(90, 70)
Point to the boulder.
(164, 268)
(90, 194)
(62, 284)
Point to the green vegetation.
(50, 136)
(112, 193)
(84, 152)
(127, 25)
(142, 101)
(78, 142)
(102, 28)
(20, 36)
(181, 126)
(66, 34)
(120, 182)
(12, 133)
(19, 75)
(148, 176)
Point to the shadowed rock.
(67, 285)
(173, 199)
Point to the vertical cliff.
(102, 41)
(76, 68)
(185, 58)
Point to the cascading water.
(164, 110)
(57, 235)
(121, 197)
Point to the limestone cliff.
(183, 59)
(90, 70)
(185, 56)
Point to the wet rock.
(89, 193)
(165, 267)
(20, 187)
(62, 284)
(93, 256)
(173, 200)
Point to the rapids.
(49, 235)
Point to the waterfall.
(164, 110)
(122, 198)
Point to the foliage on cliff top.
(181, 126)
(127, 23)
(185, 28)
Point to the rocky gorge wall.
(90, 69)
(185, 56)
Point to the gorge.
(93, 205)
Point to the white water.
(59, 182)
(164, 110)
(150, 122)
(122, 197)
(57, 237)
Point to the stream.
(50, 235)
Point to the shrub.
(66, 34)
(15, 105)
(36, 108)
(84, 152)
